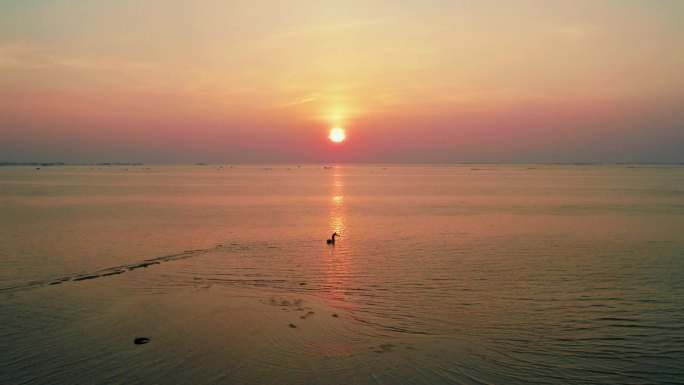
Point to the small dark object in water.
(384, 348)
(332, 241)
(141, 340)
(293, 326)
(302, 284)
(334, 315)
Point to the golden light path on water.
(337, 261)
(337, 211)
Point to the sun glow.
(337, 135)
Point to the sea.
(441, 274)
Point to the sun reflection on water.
(337, 260)
(336, 209)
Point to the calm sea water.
(487, 274)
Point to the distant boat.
(332, 241)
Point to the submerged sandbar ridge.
(116, 270)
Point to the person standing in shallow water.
(332, 241)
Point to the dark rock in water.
(293, 325)
(334, 315)
(141, 340)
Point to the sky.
(437, 81)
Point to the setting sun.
(337, 135)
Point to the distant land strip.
(48, 164)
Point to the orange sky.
(264, 81)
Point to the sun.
(337, 135)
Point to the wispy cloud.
(24, 56)
(298, 102)
(575, 32)
(13, 54)
(317, 29)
